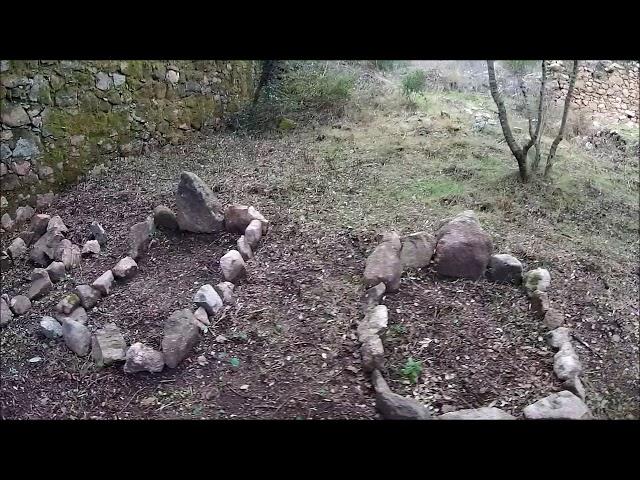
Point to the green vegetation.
(412, 370)
(413, 82)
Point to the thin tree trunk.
(504, 123)
(541, 118)
(565, 114)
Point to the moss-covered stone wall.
(61, 118)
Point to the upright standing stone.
(40, 284)
(253, 233)
(103, 283)
(139, 237)
(56, 271)
(198, 208)
(244, 248)
(383, 265)
(76, 336)
(232, 266)
(180, 336)
(98, 233)
(238, 217)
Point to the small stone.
(372, 353)
(45, 249)
(108, 346)
(553, 319)
(253, 233)
(40, 284)
(225, 290)
(139, 237)
(566, 363)
(13, 115)
(244, 248)
(119, 79)
(180, 336)
(141, 358)
(98, 233)
(393, 406)
(201, 316)
(574, 385)
(44, 200)
(50, 328)
(56, 224)
(89, 296)
(232, 266)
(103, 283)
(238, 217)
(538, 279)
(39, 224)
(91, 247)
(202, 361)
(172, 76)
(103, 81)
(221, 339)
(558, 337)
(6, 222)
(56, 271)
(539, 303)
(17, 249)
(5, 262)
(20, 304)
(165, 218)
(69, 254)
(24, 214)
(374, 324)
(79, 315)
(372, 297)
(504, 268)
(68, 303)
(484, 413)
(207, 298)
(125, 268)
(27, 237)
(5, 313)
(76, 337)
(559, 406)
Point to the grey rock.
(165, 218)
(559, 406)
(5, 261)
(24, 214)
(44, 250)
(27, 237)
(244, 248)
(201, 316)
(56, 271)
(119, 79)
(238, 217)
(483, 413)
(199, 210)
(371, 298)
(108, 346)
(98, 233)
(4, 203)
(372, 353)
(125, 268)
(68, 303)
(17, 249)
(172, 76)
(232, 266)
(26, 148)
(103, 283)
(103, 81)
(13, 115)
(21, 168)
(207, 298)
(39, 223)
(141, 358)
(89, 296)
(44, 200)
(374, 323)
(57, 225)
(5, 152)
(180, 336)
(50, 328)
(553, 319)
(383, 265)
(69, 254)
(79, 315)
(504, 268)
(76, 337)
(463, 248)
(225, 290)
(140, 236)
(566, 363)
(253, 233)
(91, 247)
(20, 304)
(417, 250)
(40, 284)
(6, 222)
(558, 337)
(539, 303)
(538, 279)
(574, 385)
(5, 313)
(393, 406)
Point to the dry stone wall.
(606, 89)
(61, 118)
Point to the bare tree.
(520, 153)
(567, 104)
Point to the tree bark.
(517, 152)
(565, 114)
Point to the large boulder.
(504, 268)
(393, 406)
(199, 210)
(463, 248)
(181, 334)
(108, 346)
(483, 413)
(559, 406)
(383, 265)
(238, 217)
(232, 265)
(140, 236)
(141, 358)
(417, 250)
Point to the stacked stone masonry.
(59, 119)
